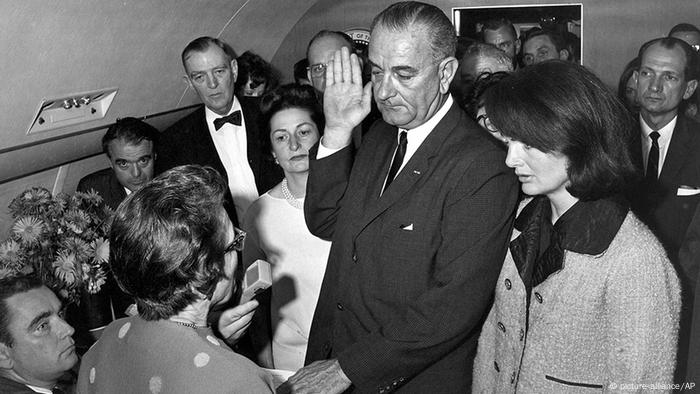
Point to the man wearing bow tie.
(223, 133)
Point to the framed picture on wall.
(563, 22)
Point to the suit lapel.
(678, 151)
(415, 168)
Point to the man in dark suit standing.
(223, 133)
(129, 144)
(667, 149)
(419, 218)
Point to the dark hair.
(167, 239)
(557, 39)
(690, 70)
(331, 33)
(497, 23)
(480, 86)
(201, 44)
(287, 96)
(254, 68)
(10, 286)
(413, 16)
(300, 70)
(683, 28)
(627, 73)
(559, 106)
(130, 130)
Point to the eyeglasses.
(238, 241)
(484, 121)
(317, 70)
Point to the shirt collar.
(430, 124)
(39, 389)
(665, 131)
(211, 115)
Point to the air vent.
(72, 109)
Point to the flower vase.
(95, 309)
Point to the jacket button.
(538, 297)
(340, 306)
(522, 334)
(495, 366)
(501, 327)
(508, 284)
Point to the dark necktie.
(653, 159)
(234, 118)
(398, 159)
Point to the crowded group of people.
(489, 219)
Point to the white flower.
(65, 267)
(28, 228)
(9, 251)
(100, 247)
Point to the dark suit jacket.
(8, 386)
(689, 257)
(188, 142)
(660, 206)
(410, 275)
(669, 214)
(106, 184)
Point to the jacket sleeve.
(328, 179)
(643, 306)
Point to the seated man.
(36, 348)
(129, 145)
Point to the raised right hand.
(345, 101)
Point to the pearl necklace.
(290, 197)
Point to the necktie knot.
(234, 118)
(654, 135)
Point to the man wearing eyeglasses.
(223, 133)
(320, 51)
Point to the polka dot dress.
(138, 356)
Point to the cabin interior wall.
(52, 49)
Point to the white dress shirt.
(665, 134)
(414, 137)
(232, 146)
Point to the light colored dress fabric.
(278, 234)
(138, 356)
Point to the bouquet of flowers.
(63, 238)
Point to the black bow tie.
(234, 118)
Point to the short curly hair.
(167, 240)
